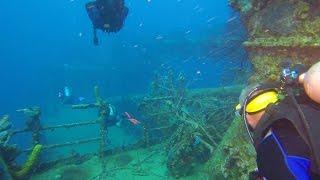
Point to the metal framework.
(33, 126)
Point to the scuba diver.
(115, 119)
(282, 121)
(106, 15)
(67, 98)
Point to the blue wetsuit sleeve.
(274, 162)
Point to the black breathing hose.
(307, 128)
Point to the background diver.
(283, 123)
(106, 15)
(114, 118)
(68, 98)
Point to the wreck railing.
(66, 126)
(34, 126)
(102, 147)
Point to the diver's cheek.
(253, 119)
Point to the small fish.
(211, 19)
(231, 19)
(159, 37)
(186, 60)
(200, 10)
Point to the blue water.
(46, 45)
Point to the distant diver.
(114, 118)
(67, 98)
(106, 15)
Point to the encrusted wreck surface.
(279, 31)
(193, 121)
(234, 158)
(187, 125)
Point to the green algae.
(195, 121)
(243, 6)
(279, 31)
(268, 46)
(146, 164)
(73, 173)
(266, 68)
(297, 41)
(304, 31)
(310, 27)
(235, 156)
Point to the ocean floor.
(140, 164)
(149, 163)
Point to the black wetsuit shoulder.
(281, 147)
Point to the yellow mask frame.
(260, 101)
(257, 100)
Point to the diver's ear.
(301, 78)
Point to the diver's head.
(254, 101)
(60, 95)
(311, 82)
(67, 91)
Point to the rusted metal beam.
(159, 128)
(52, 146)
(69, 125)
(57, 126)
(158, 98)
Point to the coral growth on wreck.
(123, 159)
(185, 151)
(30, 163)
(235, 156)
(279, 31)
(194, 121)
(73, 173)
(8, 154)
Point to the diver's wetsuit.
(70, 100)
(112, 118)
(283, 153)
(107, 15)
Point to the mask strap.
(244, 114)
